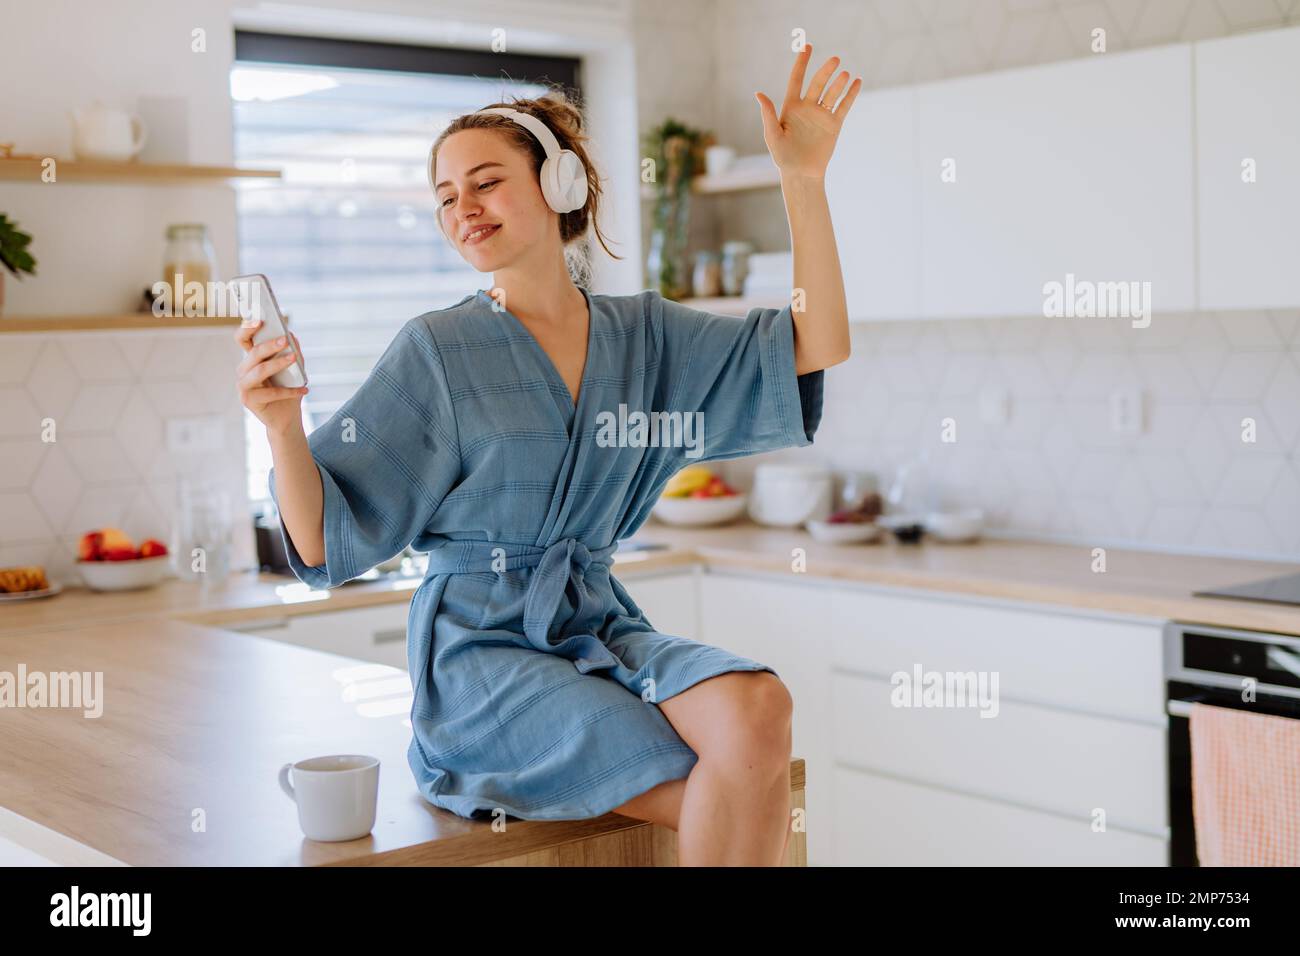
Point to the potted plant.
(13, 253)
(678, 154)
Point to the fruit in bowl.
(696, 496)
(108, 560)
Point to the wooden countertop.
(1142, 583)
(198, 721)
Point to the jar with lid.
(735, 266)
(188, 259)
(707, 280)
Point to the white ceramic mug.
(336, 795)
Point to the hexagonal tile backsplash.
(1056, 470)
(109, 396)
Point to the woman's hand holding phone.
(278, 408)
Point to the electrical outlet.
(203, 433)
(1126, 411)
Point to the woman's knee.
(759, 727)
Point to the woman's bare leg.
(736, 807)
(661, 804)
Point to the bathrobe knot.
(555, 568)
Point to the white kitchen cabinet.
(669, 601)
(376, 634)
(1074, 764)
(873, 187)
(884, 821)
(1080, 724)
(1104, 666)
(1246, 114)
(784, 624)
(1082, 167)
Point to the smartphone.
(255, 300)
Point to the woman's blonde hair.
(563, 116)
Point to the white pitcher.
(101, 132)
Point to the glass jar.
(707, 280)
(189, 258)
(735, 266)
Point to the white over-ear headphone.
(563, 176)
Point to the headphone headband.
(563, 176)
(531, 123)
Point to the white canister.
(785, 496)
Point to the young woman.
(541, 690)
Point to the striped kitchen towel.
(1245, 787)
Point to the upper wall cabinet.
(873, 187)
(1248, 170)
(1083, 167)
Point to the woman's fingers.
(261, 371)
(818, 84)
(259, 353)
(245, 332)
(843, 108)
(794, 88)
(834, 90)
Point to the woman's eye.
(490, 182)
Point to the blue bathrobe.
(536, 677)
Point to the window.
(348, 237)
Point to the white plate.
(54, 588)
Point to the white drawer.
(1060, 660)
(1054, 760)
(884, 822)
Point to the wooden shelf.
(147, 174)
(741, 179)
(114, 323)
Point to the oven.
(1210, 665)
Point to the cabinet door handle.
(390, 635)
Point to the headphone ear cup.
(564, 185)
(573, 177)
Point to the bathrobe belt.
(554, 567)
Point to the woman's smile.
(480, 235)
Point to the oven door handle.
(1283, 660)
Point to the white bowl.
(962, 525)
(124, 575)
(698, 512)
(843, 532)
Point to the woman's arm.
(801, 141)
(299, 493)
(298, 486)
(821, 329)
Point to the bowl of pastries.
(108, 560)
(23, 583)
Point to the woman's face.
(483, 180)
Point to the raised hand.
(802, 139)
